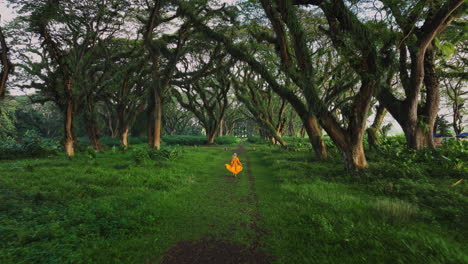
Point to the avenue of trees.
(292, 67)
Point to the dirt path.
(214, 249)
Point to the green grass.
(316, 213)
(110, 210)
(121, 207)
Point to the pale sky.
(7, 13)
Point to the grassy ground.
(113, 209)
(316, 213)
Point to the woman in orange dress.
(236, 166)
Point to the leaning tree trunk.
(69, 118)
(278, 139)
(312, 128)
(373, 130)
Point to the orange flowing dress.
(235, 166)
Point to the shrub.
(227, 140)
(257, 140)
(31, 145)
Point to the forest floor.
(214, 248)
(285, 207)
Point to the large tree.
(70, 32)
(207, 99)
(245, 53)
(419, 23)
(164, 49)
(265, 107)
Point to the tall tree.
(419, 23)
(244, 53)
(207, 99)
(130, 79)
(164, 50)
(267, 109)
(69, 32)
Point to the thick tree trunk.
(221, 128)
(312, 128)
(418, 137)
(69, 118)
(154, 115)
(210, 137)
(373, 130)
(124, 135)
(279, 140)
(354, 156)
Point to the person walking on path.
(236, 166)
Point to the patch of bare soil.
(213, 252)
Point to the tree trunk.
(210, 137)
(124, 135)
(312, 128)
(93, 135)
(302, 132)
(92, 129)
(373, 130)
(221, 126)
(156, 137)
(354, 156)
(6, 63)
(154, 116)
(291, 130)
(417, 137)
(279, 140)
(69, 118)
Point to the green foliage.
(443, 127)
(257, 140)
(30, 145)
(450, 159)
(90, 153)
(227, 140)
(328, 215)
